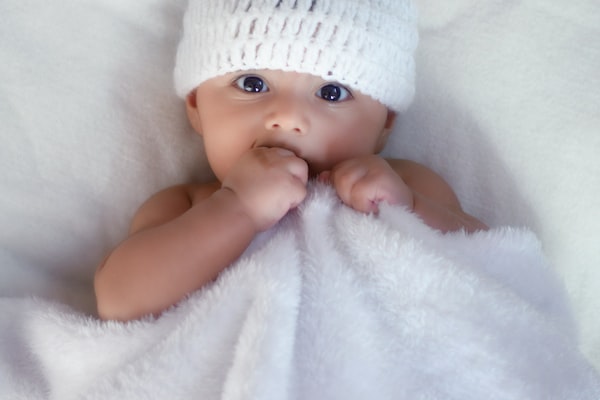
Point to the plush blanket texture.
(330, 304)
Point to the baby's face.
(322, 122)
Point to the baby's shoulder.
(408, 169)
(170, 203)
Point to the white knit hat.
(367, 45)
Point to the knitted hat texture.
(367, 45)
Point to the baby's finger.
(364, 197)
(298, 168)
(343, 178)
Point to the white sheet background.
(506, 110)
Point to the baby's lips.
(282, 149)
(284, 152)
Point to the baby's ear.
(389, 122)
(387, 129)
(191, 106)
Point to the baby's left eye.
(333, 92)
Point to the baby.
(281, 92)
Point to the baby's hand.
(268, 182)
(362, 183)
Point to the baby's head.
(366, 45)
(322, 78)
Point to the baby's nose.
(288, 116)
(286, 126)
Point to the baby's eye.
(251, 84)
(333, 92)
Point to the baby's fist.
(364, 182)
(268, 183)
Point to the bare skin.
(265, 134)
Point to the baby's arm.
(176, 245)
(434, 200)
(364, 182)
(183, 237)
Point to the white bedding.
(330, 304)
(506, 111)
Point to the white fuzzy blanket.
(330, 304)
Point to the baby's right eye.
(251, 84)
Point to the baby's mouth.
(294, 150)
(313, 169)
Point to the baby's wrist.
(226, 197)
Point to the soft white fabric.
(366, 44)
(330, 304)
(506, 110)
(90, 128)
